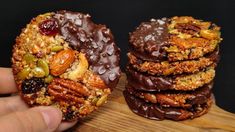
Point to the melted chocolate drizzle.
(96, 41)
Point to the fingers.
(7, 83)
(11, 104)
(37, 119)
(65, 125)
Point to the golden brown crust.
(168, 68)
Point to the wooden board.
(115, 116)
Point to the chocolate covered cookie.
(63, 59)
(186, 82)
(173, 39)
(157, 112)
(174, 98)
(172, 68)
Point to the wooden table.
(115, 116)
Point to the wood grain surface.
(115, 116)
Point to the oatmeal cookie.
(173, 98)
(63, 59)
(174, 39)
(157, 112)
(172, 68)
(146, 82)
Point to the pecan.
(67, 89)
(61, 61)
(187, 28)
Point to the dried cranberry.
(49, 27)
(32, 85)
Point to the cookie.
(63, 59)
(172, 98)
(186, 82)
(174, 39)
(168, 68)
(157, 112)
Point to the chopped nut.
(81, 68)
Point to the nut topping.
(61, 61)
(67, 89)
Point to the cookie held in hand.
(63, 59)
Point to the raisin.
(69, 115)
(32, 85)
(49, 27)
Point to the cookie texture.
(63, 59)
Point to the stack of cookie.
(171, 68)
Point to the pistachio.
(48, 79)
(102, 100)
(209, 34)
(57, 48)
(24, 73)
(43, 64)
(38, 72)
(29, 58)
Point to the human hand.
(16, 116)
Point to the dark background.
(122, 16)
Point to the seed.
(38, 72)
(94, 101)
(29, 58)
(209, 34)
(56, 48)
(48, 79)
(24, 73)
(43, 64)
(102, 100)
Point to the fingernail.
(51, 116)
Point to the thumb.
(37, 119)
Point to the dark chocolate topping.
(146, 82)
(96, 41)
(198, 96)
(154, 111)
(149, 39)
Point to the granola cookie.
(173, 98)
(172, 68)
(63, 59)
(174, 39)
(157, 112)
(185, 82)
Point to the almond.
(61, 61)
